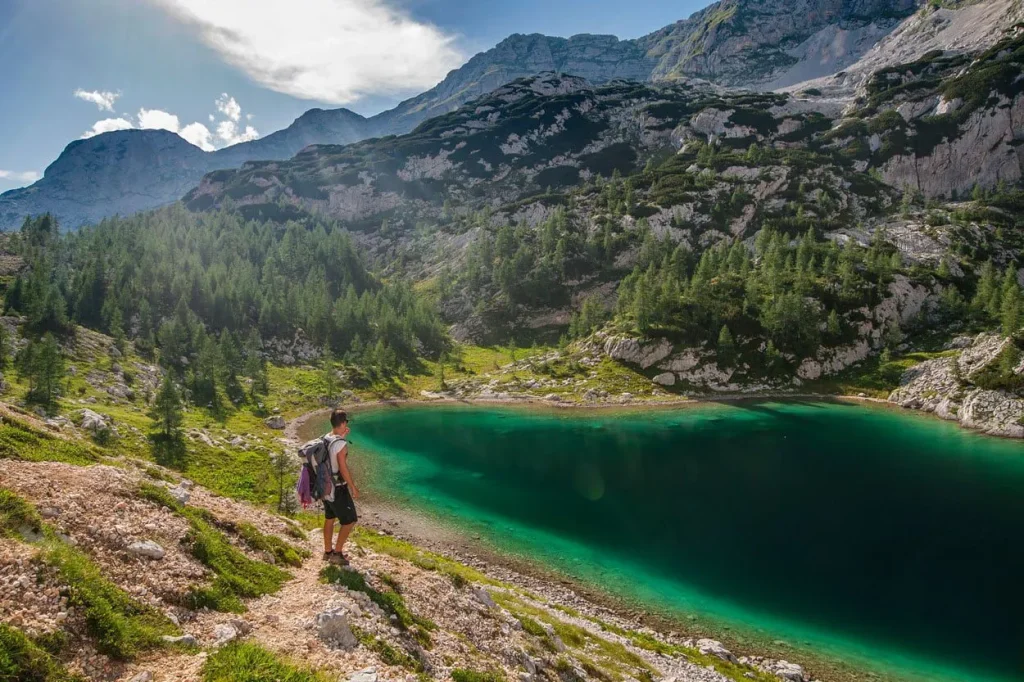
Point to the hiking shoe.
(338, 559)
(328, 555)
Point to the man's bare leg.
(328, 534)
(343, 534)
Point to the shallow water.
(884, 538)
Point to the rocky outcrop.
(772, 44)
(637, 351)
(944, 386)
(959, 27)
(985, 150)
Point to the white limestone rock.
(712, 647)
(147, 549)
(333, 627)
(636, 351)
(665, 379)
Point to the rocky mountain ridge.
(732, 42)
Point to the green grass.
(236, 576)
(122, 626)
(466, 675)
(428, 561)
(390, 601)
(874, 378)
(282, 551)
(16, 513)
(387, 653)
(18, 440)
(22, 660)
(247, 662)
(617, 659)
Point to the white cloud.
(228, 132)
(103, 99)
(199, 135)
(331, 50)
(19, 176)
(108, 125)
(155, 119)
(227, 105)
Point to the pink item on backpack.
(305, 497)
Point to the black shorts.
(343, 507)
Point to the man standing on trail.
(340, 504)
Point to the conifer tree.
(1010, 317)
(328, 373)
(726, 345)
(167, 409)
(42, 364)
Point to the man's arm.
(345, 473)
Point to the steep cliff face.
(943, 124)
(772, 44)
(599, 59)
(956, 27)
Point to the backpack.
(316, 480)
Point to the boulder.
(993, 412)
(92, 422)
(484, 597)
(637, 352)
(225, 633)
(665, 379)
(180, 493)
(787, 671)
(186, 640)
(147, 549)
(712, 647)
(276, 422)
(364, 675)
(333, 628)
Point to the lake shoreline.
(423, 529)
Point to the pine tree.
(1010, 316)
(283, 465)
(5, 348)
(42, 364)
(833, 325)
(726, 345)
(328, 373)
(167, 410)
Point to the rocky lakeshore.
(948, 387)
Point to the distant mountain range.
(760, 44)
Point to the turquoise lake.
(890, 540)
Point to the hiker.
(339, 503)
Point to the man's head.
(339, 421)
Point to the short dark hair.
(338, 417)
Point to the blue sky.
(222, 71)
